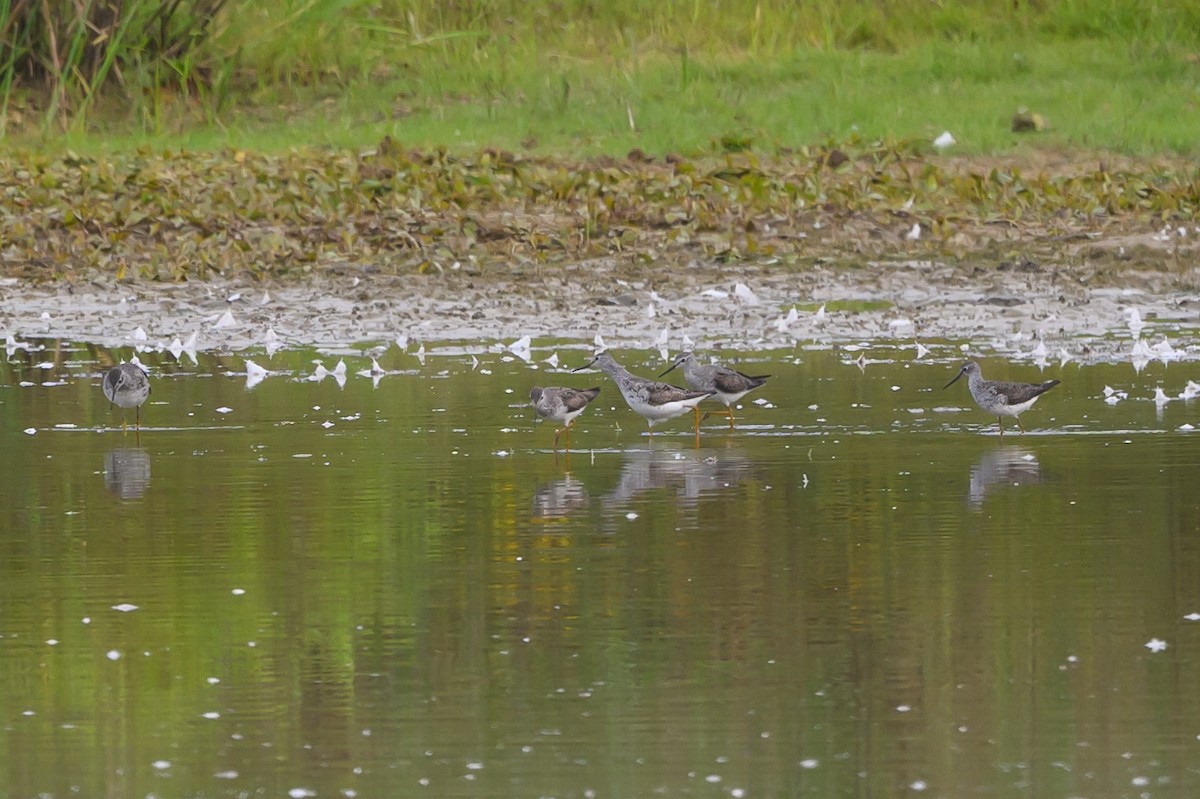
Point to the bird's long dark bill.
(955, 380)
(670, 368)
(586, 365)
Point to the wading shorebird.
(127, 386)
(653, 401)
(1001, 399)
(728, 385)
(562, 405)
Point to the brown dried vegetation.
(177, 217)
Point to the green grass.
(579, 78)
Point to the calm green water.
(399, 590)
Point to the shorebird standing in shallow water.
(561, 405)
(1001, 399)
(728, 385)
(127, 386)
(653, 401)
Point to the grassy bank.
(583, 78)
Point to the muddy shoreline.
(354, 250)
(994, 308)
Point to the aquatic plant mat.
(387, 210)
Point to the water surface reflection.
(127, 472)
(1004, 466)
(395, 589)
(688, 473)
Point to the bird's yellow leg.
(1018, 418)
(696, 414)
(1000, 421)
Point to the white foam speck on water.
(238, 591)
(228, 774)
(52, 641)
(161, 764)
(225, 321)
(809, 763)
(29, 431)
(125, 607)
(521, 348)
(301, 793)
(212, 714)
(112, 654)
(1156, 645)
(253, 370)
(918, 785)
(223, 409)
(1193, 617)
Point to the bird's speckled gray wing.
(577, 399)
(1017, 393)
(663, 393)
(731, 381)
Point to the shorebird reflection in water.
(653, 401)
(127, 386)
(561, 405)
(728, 385)
(1000, 469)
(998, 398)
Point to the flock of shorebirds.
(656, 401)
(127, 386)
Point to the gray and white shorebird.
(653, 401)
(127, 386)
(1001, 399)
(728, 384)
(562, 405)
